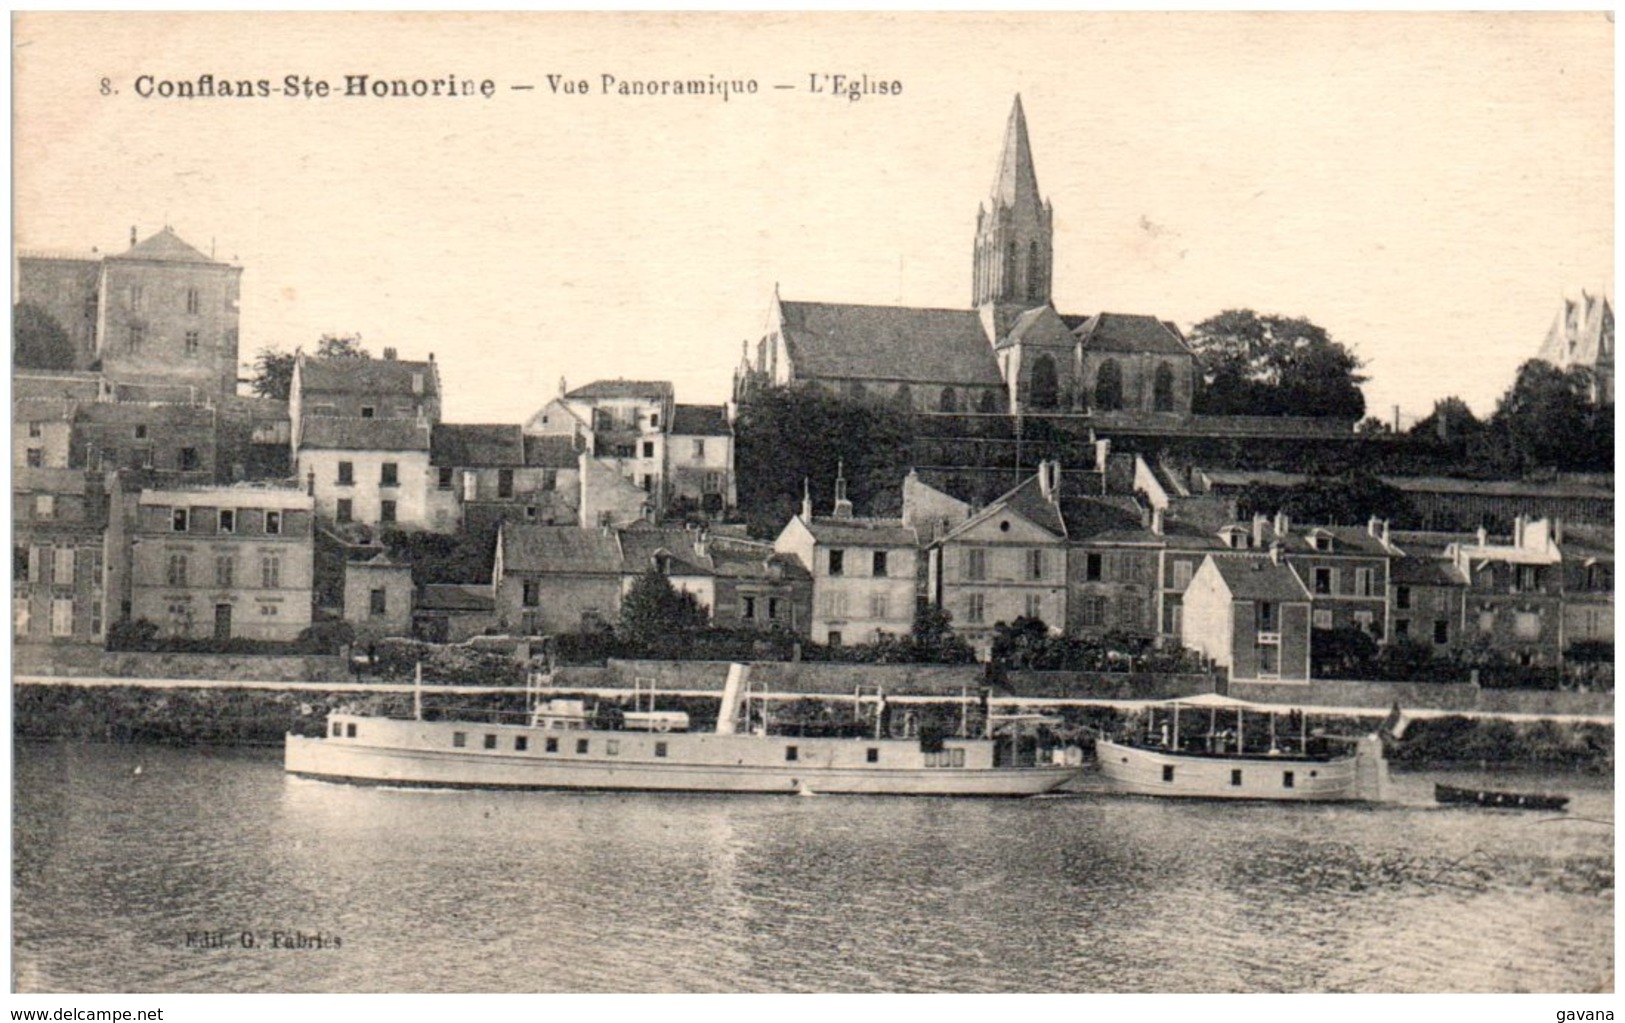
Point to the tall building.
(1583, 335)
(1011, 351)
(160, 313)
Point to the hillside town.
(1070, 490)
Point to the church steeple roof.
(1017, 182)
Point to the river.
(154, 869)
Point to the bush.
(326, 638)
(132, 635)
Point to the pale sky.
(1425, 186)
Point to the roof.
(27, 383)
(1423, 484)
(858, 532)
(1413, 570)
(472, 597)
(42, 409)
(367, 376)
(1582, 333)
(1040, 326)
(1028, 501)
(475, 445)
(640, 545)
(1259, 578)
(865, 342)
(136, 412)
(559, 549)
(619, 388)
(1585, 541)
(1130, 333)
(700, 421)
(355, 433)
(1115, 517)
(1016, 182)
(754, 563)
(166, 247)
(551, 452)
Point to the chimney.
(1483, 536)
(1103, 450)
(1275, 552)
(843, 507)
(1517, 531)
(1258, 530)
(132, 236)
(702, 540)
(1046, 485)
(1156, 521)
(1386, 542)
(389, 354)
(310, 483)
(1557, 529)
(806, 500)
(1371, 527)
(1283, 522)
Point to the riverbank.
(196, 712)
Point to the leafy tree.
(1274, 365)
(1547, 419)
(1450, 420)
(784, 435)
(1350, 499)
(464, 557)
(933, 641)
(1024, 643)
(658, 617)
(341, 346)
(272, 374)
(38, 340)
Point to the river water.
(140, 868)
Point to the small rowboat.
(1506, 800)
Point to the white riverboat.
(1214, 747)
(559, 747)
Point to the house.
(1514, 592)
(176, 442)
(159, 312)
(223, 562)
(1113, 558)
(453, 612)
(486, 472)
(58, 563)
(863, 571)
(759, 588)
(700, 460)
(362, 388)
(622, 423)
(378, 598)
(1005, 562)
(1588, 589)
(1426, 596)
(1249, 613)
(373, 471)
(42, 432)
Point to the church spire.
(1017, 183)
(1014, 257)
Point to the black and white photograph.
(1066, 503)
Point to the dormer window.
(1321, 541)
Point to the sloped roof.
(80, 384)
(354, 433)
(477, 445)
(42, 409)
(865, 342)
(640, 545)
(741, 563)
(366, 376)
(1027, 500)
(1016, 182)
(559, 549)
(167, 247)
(551, 452)
(470, 597)
(1581, 542)
(619, 388)
(700, 421)
(1582, 333)
(1424, 571)
(1041, 326)
(1259, 578)
(858, 532)
(1130, 333)
(1110, 517)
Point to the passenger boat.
(561, 746)
(1452, 795)
(1214, 747)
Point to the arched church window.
(1044, 388)
(1109, 387)
(904, 397)
(1009, 288)
(990, 402)
(1162, 388)
(1035, 273)
(950, 400)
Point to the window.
(386, 511)
(791, 753)
(1269, 660)
(521, 743)
(137, 337)
(837, 562)
(191, 342)
(1325, 581)
(346, 474)
(62, 559)
(176, 575)
(648, 449)
(1287, 779)
(19, 617)
(271, 571)
(976, 608)
(1486, 620)
(1183, 571)
(141, 432)
(1402, 597)
(1526, 625)
(878, 606)
(273, 523)
(1035, 563)
(446, 477)
(1323, 618)
(145, 456)
(45, 506)
(35, 458)
(459, 739)
(976, 564)
(224, 567)
(699, 450)
(490, 742)
(1094, 611)
(1266, 616)
(836, 603)
(1362, 582)
(773, 609)
(189, 460)
(748, 613)
(1402, 628)
(648, 482)
(379, 604)
(551, 745)
(531, 595)
(178, 520)
(880, 564)
(1364, 619)
(550, 479)
(345, 510)
(1526, 577)
(1035, 605)
(35, 429)
(834, 639)
(19, 563)
(660, 749)
(368, 411)
(582, 745)
(654, 419)
(62, 616)
(191, 301)
(1094, 566)
(612, 747)
(228, 520)
(1235, 776)
(389, 475)
(1167, 772)
(1321, 542)
(1441, 631)
(872, 755)
(504, 483)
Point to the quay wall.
(1427, 696)
(91, 662)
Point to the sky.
(1427, 187)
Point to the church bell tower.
(1014, 232)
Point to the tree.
(1274, 365)
(1547, 419)
(933, 639)
(341, 346)
(1350, 499)
(273, 374)
(38, 340)
(785, 435)
(658, 617)
(1450, 420)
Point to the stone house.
(700, 461)
(1249, 613)
(483, 473)
(373, 471)
(362, 388)
(378, 598)
(1514, 592)
(58, 560)
(453, 612)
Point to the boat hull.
(1451, 795)
(1150, 772)
(449, 754)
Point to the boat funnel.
(1370, 770)
(733, 696)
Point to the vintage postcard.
(509, 503)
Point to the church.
(1011, 351)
